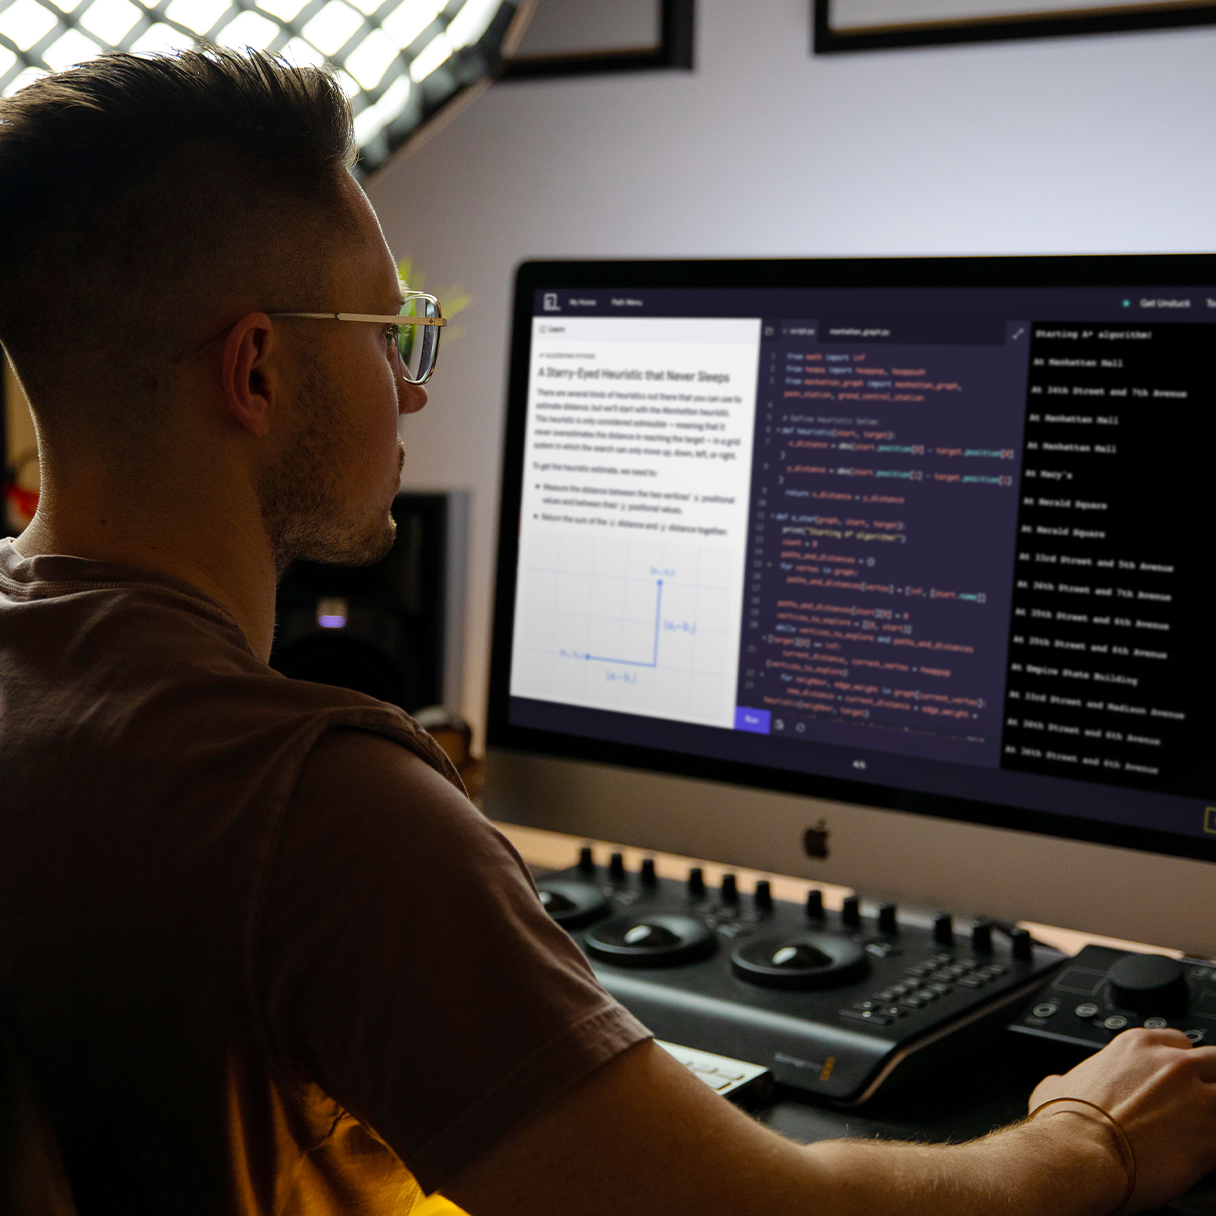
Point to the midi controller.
(835, 1003)
(1103, 992)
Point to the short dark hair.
(134, 187)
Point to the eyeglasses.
(412, 354)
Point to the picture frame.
(673, 49)
(991, 21)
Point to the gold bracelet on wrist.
(1126, 1154)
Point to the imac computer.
(892, 573)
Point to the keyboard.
(746, 1084)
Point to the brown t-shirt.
(233, 996)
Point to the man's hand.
(641, 1135)
(1162, 1091)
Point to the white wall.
(1096, 144)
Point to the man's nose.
(410, 398)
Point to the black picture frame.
(1115, 270)
(675, 50)
(1150, 15)
(5, 530)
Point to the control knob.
(1148, 983)
(807, 960)
(1023, 946)
(887, 923)
(730, 889)
(657, 940)
(850, 911)
(572, 904)
(764, 895)
(696, 882)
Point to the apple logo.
(815, 841)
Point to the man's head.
(153, 211)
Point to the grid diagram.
(641, 626)
(397, 60)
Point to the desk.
(982, 1094)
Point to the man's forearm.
(641, 1135)
(1063, 1166)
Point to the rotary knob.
(943, 929)
(649, 878)
(586, 860)
(696, 882)
(814, 903)
(764, 895)
(616, 867)
(572, 904)
(1148, 983)
(659, 940)
(730, 889)
(981, 937)
(807, 960)
(850, 911)
(887, 922)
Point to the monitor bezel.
(1091, 270)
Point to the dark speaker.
(394, 630)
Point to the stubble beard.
(301, 499)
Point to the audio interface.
(1103, 992)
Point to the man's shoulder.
(128, 658)
(363, 784)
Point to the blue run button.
(756, 720)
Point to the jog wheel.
(657, 940)
(572, 904)
(1148, 983)
(810, 960)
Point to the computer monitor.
(901, 560)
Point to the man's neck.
(227, 558)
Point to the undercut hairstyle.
(137, 195)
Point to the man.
(261, 952)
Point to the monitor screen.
(925, 534)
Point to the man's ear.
(250, 386)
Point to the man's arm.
(413, 972)
(642, 1136)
